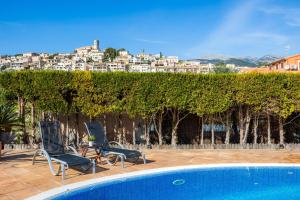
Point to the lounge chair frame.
(62, 164)
(118, 155)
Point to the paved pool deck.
(20, 179)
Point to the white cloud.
(233, 22)
(291, 16)
(229, 31)
(238, 35)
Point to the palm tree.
(8, 117)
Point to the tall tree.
(109, 54)
(178, 88)
(119, 50)
(212, 95)
(221, 68)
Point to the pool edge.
(82, 184)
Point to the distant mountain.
(269, 59)
(242, 62)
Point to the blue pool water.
(226, 183)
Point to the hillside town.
(91, 58)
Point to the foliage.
(4, 67)
(91, 138)
(109, 54)
(52, 56)
(141, 94)
(221, 67)
(119, 50)
(8, 117)
(212, 94)
(148, 95)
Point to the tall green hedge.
(146, 94)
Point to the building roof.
(266, 70)
(284, 59)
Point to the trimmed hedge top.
(143, 94)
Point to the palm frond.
(8, 117)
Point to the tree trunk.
(158, 130)
(247, 125)
(117, 129)
(122, 131)
(67, 134)
(176, 119)
(43, 116)
(281, 131)
(22, 116)
(241, 124)
(212, 124)
(77, 129)
(269, 128)
(227, 137)
(124, 134)
(133, 132)
(160, 122)
(174, 128)
(147, 135)
(202, 131)
(56, 116)
(255, 128)
(174, 136)
(33, 122)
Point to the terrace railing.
(217, 146)
(183, 146)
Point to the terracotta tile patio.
(20, 179)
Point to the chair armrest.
(116, 143)
(72, 149)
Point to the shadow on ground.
(16, 157)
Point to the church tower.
(96, 45)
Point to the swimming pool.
(210, 182)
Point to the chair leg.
(94, 166)
(122, 161)
(62, 172)
(45, 155)
(59, 169)
(34, 156)
(144, 158)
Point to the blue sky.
(187, 28)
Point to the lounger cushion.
(72, 160)
(128, 153)
(52, 140)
